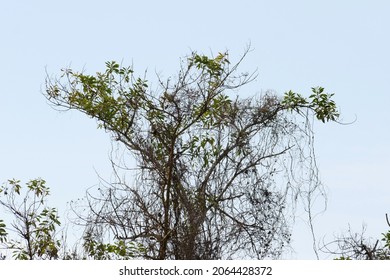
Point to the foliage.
(206, 184)
(324, 107)
(120, 249)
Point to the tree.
(34, 228)
(34, 222)
(355, 246)
(215, 174)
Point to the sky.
(342, 46)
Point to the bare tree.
(216, 176)
(356, 246)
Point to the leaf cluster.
(120, 249)
(321, 103)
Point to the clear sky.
(340, 45)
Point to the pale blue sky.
(340, 45)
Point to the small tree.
(356, 246)
(34, 222)
(206, 182)
(34, 228)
